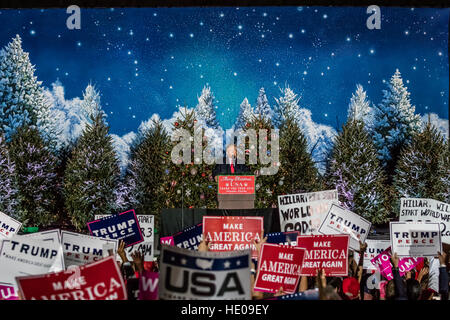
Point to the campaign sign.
(383, 262)
(167, 240)
(189, 238)
(7, 292)
(427, 210)
(148, 285)
(374, 248)
(286, 238)
(147, 225)
(340, 220)
(8, 226)
(236, 185)
(197, 275)
(53, 236)
(279, 266)
(100, 280)
(80, 249)
(304, 212)
(415, 239)
(227, 233)
(325, 252)
(123, 226)
(20, 256)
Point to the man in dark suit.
(230, 165)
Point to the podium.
(236, 191)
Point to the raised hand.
(121, 251)
(138, 260)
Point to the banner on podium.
(236, 185)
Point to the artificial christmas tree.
(22, 100)
(297, 172)
(92, 174)
(37, 181)
(189, 183)
(146, 173)
(267, 178)
(355, 171)
(394, 123)
(9, 201)
(422, 170)
(205, 109)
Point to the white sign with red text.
(343, 221)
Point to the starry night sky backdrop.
(149, 60)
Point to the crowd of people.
(428, 280)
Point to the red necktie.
(232, 168)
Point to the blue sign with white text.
(123, 226)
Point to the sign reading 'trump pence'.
(123, 226)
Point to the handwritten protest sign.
(123, 226)
(228, 233)
(427, 210)
(325, 252)
(100, 280)
(8, 226)
(21, 256)
(304, 212)
(286, 238)
(146, 247)
(383, 262)
(279, 266)
(8, 292)
(340, 220)
(374, 248)
(80, 249)
(415, 239)
(148, 285)
(197, 275)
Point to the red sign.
(227, 233)
(236, 185)
(329, 252)
(279, 266)
(100, 280)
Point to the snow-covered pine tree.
(205, 109)
(38, 183)
(359, 107)
(355, 171)
(394, 123)
(146, 173)
(9, 201)
(262, 108)
(92, 173)
(22, 100)
(245, 116)
(422, 169)
(286, 107)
